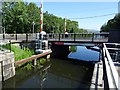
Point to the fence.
(58, 36)
(78, 36)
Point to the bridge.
(61, 37)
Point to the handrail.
(32, 58)
(112, 74)
(87, 37)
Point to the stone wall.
(7, 68)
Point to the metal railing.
(111, 77)
(78, 37)
(60, 36)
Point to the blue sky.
(83, 9)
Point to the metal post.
(92, 37)
(33, 27)
(74, 36)
(4, 33)
(26, 39)
(59, 36)
(10, 45)
(16, 35)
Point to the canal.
(58, 73)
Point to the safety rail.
(111, 77)
(78, 36)
(60, 36)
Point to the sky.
(90, 15)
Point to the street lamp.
(33, 26)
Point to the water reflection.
(58, 74)
(28, 78)
(85, 54)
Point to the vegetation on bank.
(73, 48)
(18, 52)
(112, 24)
(22, 54)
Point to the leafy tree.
(19, 17)
(112, 24)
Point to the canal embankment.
(15, 57)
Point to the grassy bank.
(22, 54)
(19, 53)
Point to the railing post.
(92, 37)
(74, 36)
(59, 36)
(4, 33)
(26, 39)
(3, 36)
(10, 45)
(16, 36)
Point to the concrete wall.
(7, 68)
(114, 36)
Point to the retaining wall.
(7, 68)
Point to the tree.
(112, 24)
(18, 17)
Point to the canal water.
(58, 73)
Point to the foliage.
(28, 66)
(42, 61)
(112, 24)
(18, 17)
(73, 48)
(20, 53)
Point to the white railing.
(113, 79)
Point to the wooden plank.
(31, 58)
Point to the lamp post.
(33, 27)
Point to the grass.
(19, 53)
(24, 53)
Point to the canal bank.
(61, 73)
